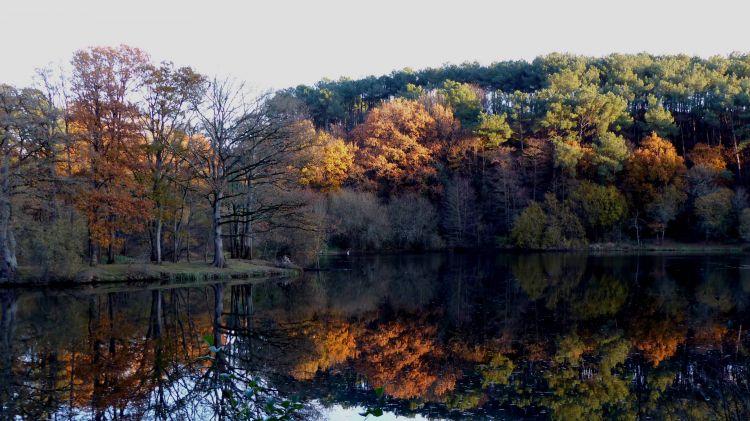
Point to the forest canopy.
(125, 159)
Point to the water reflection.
(559, 336)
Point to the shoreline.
(667, 247)
(169, 273)
(152, 273)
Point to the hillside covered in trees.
(124, 159)
(556, 153)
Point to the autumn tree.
(394, 145)
(328, 162)
(654, 173)
(104, 125)
(708, 170)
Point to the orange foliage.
(708, 156)
(105, 133)
(658, 338)
(710, 336)
(405, 359)
(655, 164)
(396, 145)
(333, 344)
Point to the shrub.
(528, 227)
(714, 211)
(552, 226)
(600, 207)
(745, 224)
(358, 220)
(414, 223)
(54, 247)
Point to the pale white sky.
(280, 43)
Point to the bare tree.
(460, 216)
(240, 152)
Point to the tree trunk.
(155, 322)
(93, 251)
(218, 241)
(156, 252)
(8, 263)
(247, 239)
(111, 250)
(178, 217)
(187, 238)
(157, 239)
(176, 243)
(8, 307)
(736, 149)
(218, 312)
(247, 228)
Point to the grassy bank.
(669, 246)
(176, 272)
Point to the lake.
(435, 336)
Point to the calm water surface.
(552, 336)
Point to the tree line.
(554, 153)
(124, 159)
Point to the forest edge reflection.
(563, 336)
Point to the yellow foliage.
(330, 163)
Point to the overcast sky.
(275, 44)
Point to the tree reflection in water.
(558, 336)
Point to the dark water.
(554, 336)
